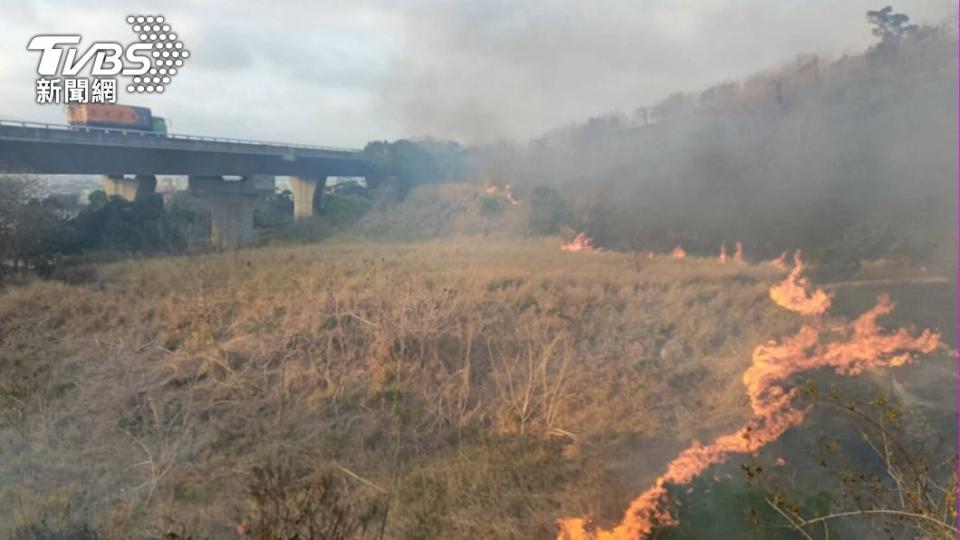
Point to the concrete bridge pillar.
(131, 189)
(231, 204)
(264, 183)
(231, 219)
(307, 195)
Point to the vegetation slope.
(447, 389)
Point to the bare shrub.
(294, 503)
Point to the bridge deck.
(40, 132)
(27, 147)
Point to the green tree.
(274, 210)
(889, 26)
(115, 224)
(33, 228)
(406, 163)
(548, 211)
(892, 28)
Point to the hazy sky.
(342, 73)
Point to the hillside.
(457, 388)
(845, 158)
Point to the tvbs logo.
(149, 64)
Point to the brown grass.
(485, 387)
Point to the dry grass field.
(457, 388)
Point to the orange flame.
(679, 253)
(723, 252)
(794, 292)
(861, 345)
(738, 254)
(581, 243)
(780, 262)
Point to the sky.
(341, 73)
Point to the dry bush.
(295, 503)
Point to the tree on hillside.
(548, 211)
(33, 231)
(274, 210)
(891, 27)
(115, 224)
(406, 163)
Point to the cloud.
(341, 73)
(294, 73)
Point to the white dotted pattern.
(168, 53)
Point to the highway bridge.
(229, 172)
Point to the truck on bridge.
(116, 116)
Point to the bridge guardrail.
(92, 129)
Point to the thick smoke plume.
(848, 158)
(564, 61)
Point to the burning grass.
(860, 346)
(477, 388)
(796, 294)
